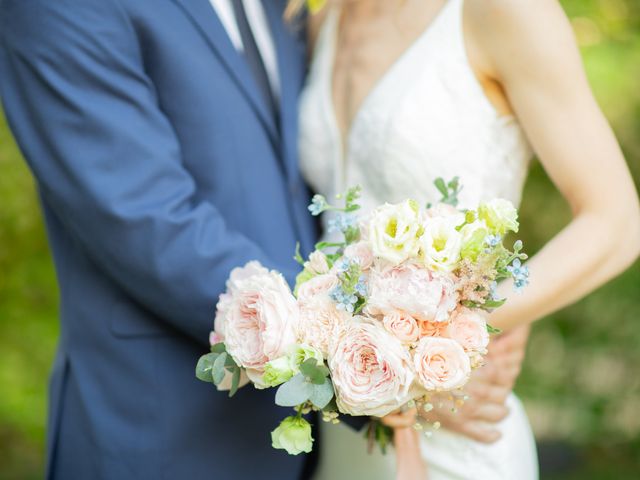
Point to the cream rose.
(371, 371)
(317, 263)
(404, 327)
(469, 329)
(441, 364)
(413, 289)
(394, 231)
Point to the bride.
(401, 92)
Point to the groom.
(162, 135)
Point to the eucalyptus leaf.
(441, 186)
(235, 381)
(217, 370)
(314, 372)
(218, 348)
(294, 392)
(204, 366)
(322, 394)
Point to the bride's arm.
(529, 48)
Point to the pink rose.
(441, 364)
(257, 317)
(321, 323)
(371, 370)
(413, 289)
(320, 285)
(403, 326)
(361, 253)
(469, 329)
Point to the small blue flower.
(493, 240)
(361, 287)
(341, 223)
(343, 265)
(520, 274)
(344, 301)
(318, 205)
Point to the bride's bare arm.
(529, 48)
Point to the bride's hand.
(409, 462)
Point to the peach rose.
(413, 289)
(257, 316)
(441, 364)
(433, 329)
(317, 263)
(404, 327)
(469, 329)
(371, 370)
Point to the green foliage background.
(581, 381)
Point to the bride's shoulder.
(516, 31)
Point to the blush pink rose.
(320, 285)
(321, 323)
(257, 316)
(469, 329)
(371, 370)
(403, 326)
(441, 364)
(412, 288)
(360, 252)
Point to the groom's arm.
(107, 160)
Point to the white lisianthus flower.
(293, 435)
(394, 231)
(500, 216)
(278, 371)
(441, 244)
(473, 239)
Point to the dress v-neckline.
(343, 139)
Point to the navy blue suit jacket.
(159, 169)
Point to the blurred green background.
(581, 382)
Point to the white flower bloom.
(441, 243)
(394, 231)
(500, 216)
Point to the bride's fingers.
(401, 419)
(491, 412)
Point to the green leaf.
(204, 367)
(230, 362)
(441, 186)
(314, 372)
(297, 257)
(218, 348)
(494, 303)
(294, 392)
(218, 370)
(322, 394)
(493, 330)
(235, 381)
(470, 304)
(323, 245)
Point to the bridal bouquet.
(378, 321)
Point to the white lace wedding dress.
(427, 117)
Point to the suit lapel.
(204, 17)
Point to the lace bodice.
(427, 117)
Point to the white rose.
(500, 216)
(394, 231)
(441, 243)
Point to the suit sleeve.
(107, 160)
